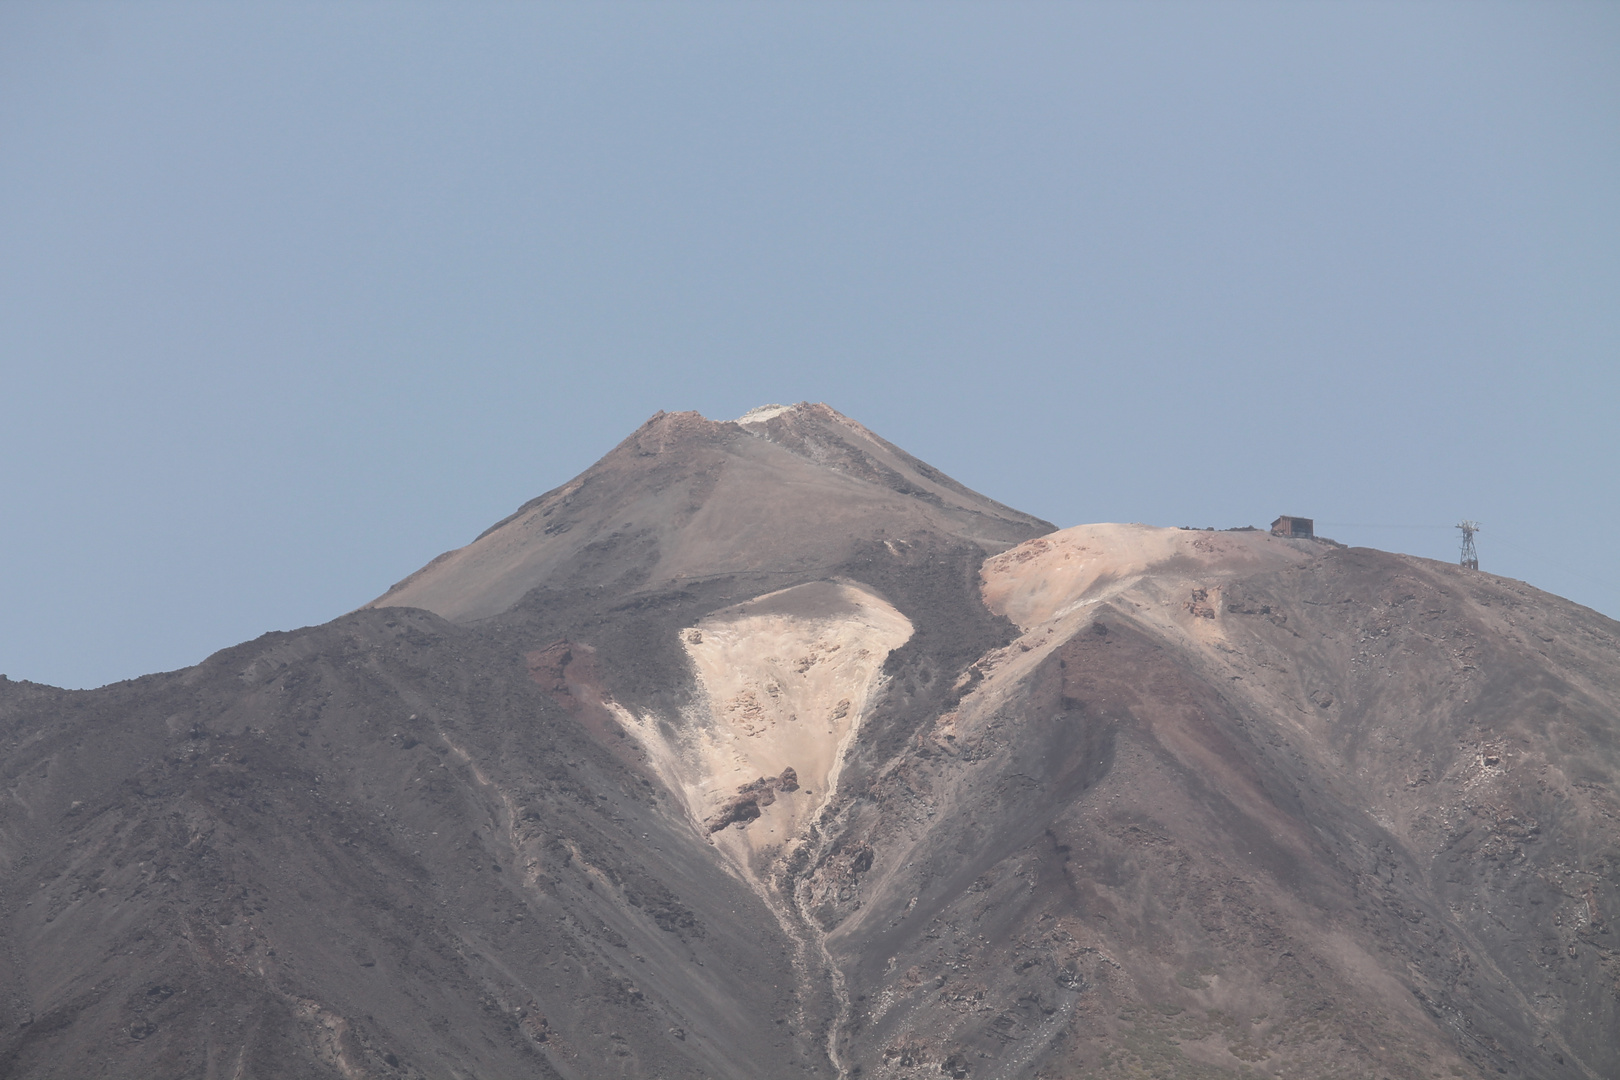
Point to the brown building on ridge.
(1294, 526)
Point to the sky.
(295, 297)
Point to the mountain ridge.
(761, 749)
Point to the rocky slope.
(1232, 803)
(763, 749)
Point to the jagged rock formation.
(762, 749)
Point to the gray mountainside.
(763, 749)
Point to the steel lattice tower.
(1470, 557)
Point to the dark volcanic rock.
(763, 749)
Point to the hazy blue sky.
(293, 298)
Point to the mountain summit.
(783, 489)
(763, 750)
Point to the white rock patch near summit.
(786, 678)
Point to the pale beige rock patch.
(785, 680)
(1053, 586)
(1043, 580)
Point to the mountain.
(782, 492)
(762, 749)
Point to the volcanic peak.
(784, 490)
(775, 752)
